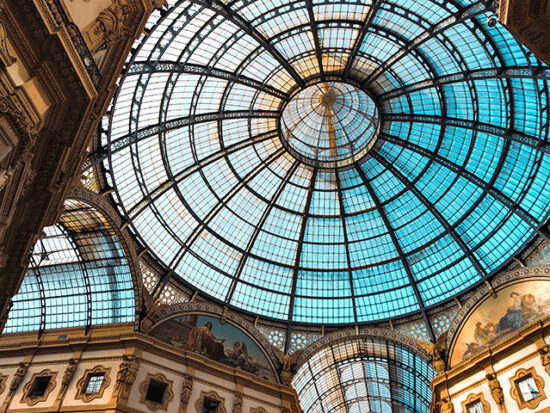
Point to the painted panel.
(223, 343)
(515, 307)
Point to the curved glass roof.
(364, 375)
(455, 184)
(78, 276)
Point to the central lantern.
(330, 124)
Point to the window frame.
(522, 374)
(211, 395)
(32, 400)
(82, 384)
(166, 397)
(475, 397)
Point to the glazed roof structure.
(330, 162)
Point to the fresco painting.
(515, 306)
(223, 343)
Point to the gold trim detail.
(30, 400)
(514, 392)
(168, 393)
(83, 383)
(258, 410)
(211, 395)
(472, 398)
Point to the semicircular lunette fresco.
(223, 343)
(514, 307)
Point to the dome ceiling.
(331, 161)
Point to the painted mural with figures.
(514, 307)
(223, 343)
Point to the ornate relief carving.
(212, 395)
(238, 403)
(126, 374)
(109, 28)
(258, 410)
(153, 308)
(288, 361)
(68, 375)
(186, 390)
(445, 405)
(472, 398)
(515, 392)
(435, 350)
(496, 391)
(167, 396)
(31, 399)
(545, 358)
(3, 381)
(83, 383)
(18, 377)
(15, 112)
(6, 58)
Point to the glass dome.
(332, 161)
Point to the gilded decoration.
(213, 396)
(83, 383)
(473, 398)
(288, 361)
(258, 410)
(515, 391)
(435, 350)
(32, 400)
(495, 318)
(166, 397)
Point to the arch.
(213, 310)
(82, 272)
(460, 342)
(354, 371)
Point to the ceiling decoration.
(330, 162)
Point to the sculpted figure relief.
(435, 350)
(496, 390)
(186, 391)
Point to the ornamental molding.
(345, 335)
(480, 295)
(221, 313)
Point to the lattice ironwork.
(454, 185)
